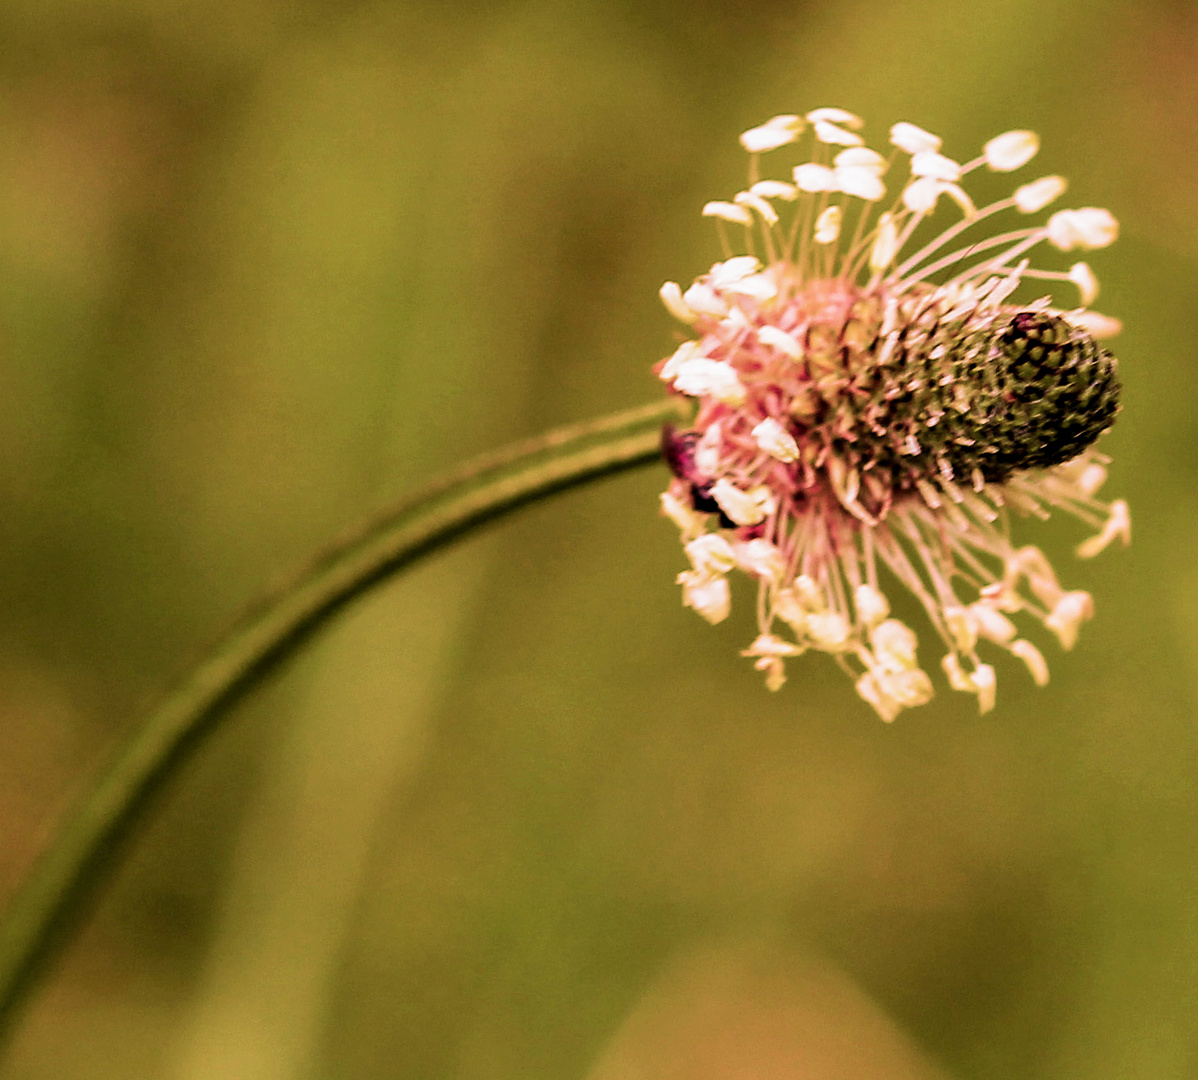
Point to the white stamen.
(710, 555)
(836, 116)
(688, 350)
(703, 300)
(1087, 228)
(871, 605)
(1066, 617)
(756, 202)
(885, 246)
(689, 521)
(860, 157)
(723, 274)
(1094, 323)
(760, 558)
(860, 181)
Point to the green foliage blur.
(266, 265)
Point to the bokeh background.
(267, 264)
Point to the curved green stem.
(271, 630)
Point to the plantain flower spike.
(869, 417)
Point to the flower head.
(869, 416)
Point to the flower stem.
(47, 905)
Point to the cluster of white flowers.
(859, 406)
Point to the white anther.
(935, 166)
(920, 195)
(709, 596)
(1033, 658)
(727, 211)
(1098, 326)
(860, 157)
(779, 339)
(1011, 150)
(914, 140)
(775, 440)
(991, 623)
(743, 507)
(828, 630)
(813, 177)
(836, 116)
(688, 350)
(1039, 193)
(827, 225)
(1087, 284)
(723, 274)
(775, 132)
(871, 606)
(860, 181)
(703, 377)
(1087, 228)
(689, 521)
(774, 189)
(894, 645)
(1118, 525)
(985, 685)
(886, 244)
(710, 554)
(962, 627)
(759, 287)
(756, 202)
(836, 136)
(707, 450)
(703, 300)
(671, 296)
(1066, 617)
(760, 558)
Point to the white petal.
(1039, 193)
(835, 116)
(912, 139)
(1011, 150)
(836, 136)
(812, 177)
(936, 166)
(727, 211)
(775, 440)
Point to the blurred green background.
(265, 265)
